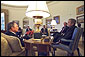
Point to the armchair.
(73, 43)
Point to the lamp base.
(37, 17)
(37, 25)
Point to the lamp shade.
(37, 9)
(53, 22)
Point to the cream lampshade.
(37, 9)
(53, 23)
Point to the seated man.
(28, 34)
(64, 29)
(28, 28)
(19, 33)
(44, 30)
(12, 28)
(68, 34)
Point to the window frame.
(6, 14)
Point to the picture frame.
(57, 18)
(25, 22)
(80, 10)
(80, 19)
(48, 23)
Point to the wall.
(65, 9)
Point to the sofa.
(11, 46)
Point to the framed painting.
(25, 22)
(80, 10)
(48, 23)
(80, 19)
(57, 18)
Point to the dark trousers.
(57, 37)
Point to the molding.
(13, 6)
(2, 4)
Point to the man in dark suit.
(12, 28)
(28, 29)
(68, 34)
(64, 29)
(19, 33)
(44, 30)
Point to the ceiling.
(18, 3)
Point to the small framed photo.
(57, 18)
(80, 10)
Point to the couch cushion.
(14, 42)
(5, 48)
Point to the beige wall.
(65, 9)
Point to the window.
(2, 21)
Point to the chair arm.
(66, 40)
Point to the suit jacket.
(68, 35)
(11, 34)
(46, 30)
(28, 29)
(64, 29)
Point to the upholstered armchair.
(11, 46)
(73, 43)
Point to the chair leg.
(79, 52)
(72, 54)
(68, 54)
(54, 49)
(53, 54)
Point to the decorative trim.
(19, 6)
(13, 6)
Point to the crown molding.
(14, 6)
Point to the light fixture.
(37, 9)
(53, 23)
